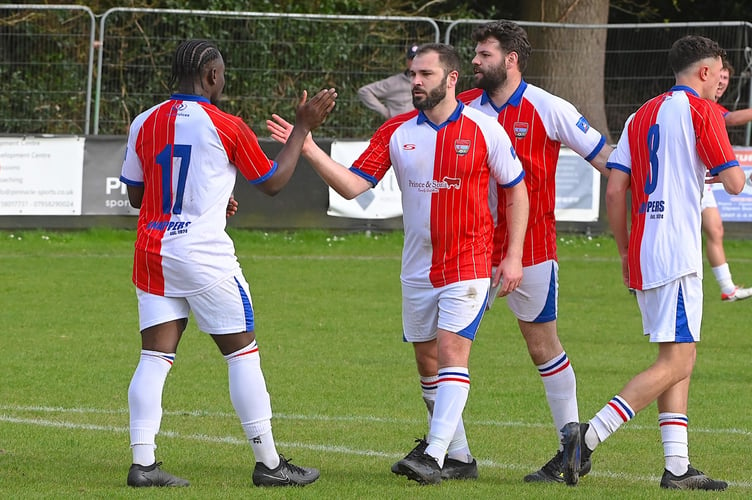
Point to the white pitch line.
(341, 418)
(313, 447)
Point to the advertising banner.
(41, 175)
(382, 202)
(578, 187)
(737, 208)
(104, 194)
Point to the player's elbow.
(615, 194)
(363, 93)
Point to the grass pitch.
(344, 390)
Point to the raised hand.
(279, 128)
(311, 114)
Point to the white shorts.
(457, 308)
(708, 198)
(672, 312)
(536, 299)
(224, 308)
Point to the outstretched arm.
(340, 178)
(738, 117)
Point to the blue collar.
(422, 118)
(514, 100)
(678, 88)
(189, 97)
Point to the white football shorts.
(536, 299)
(222, 309)
(457, 308)
(672, 312)
(708, 198)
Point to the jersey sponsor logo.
(583, 124)
(520, 129)
(462, 146)
(434, 185)
(451, 182)
(654, 208)
(178, 109)
(169, 227)
(408, 147)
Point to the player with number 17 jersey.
(181, 246)
(667, 182)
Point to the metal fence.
(270, 58)
(46, 66)
(636, 61)
(66, 74)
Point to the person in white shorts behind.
(712, 224)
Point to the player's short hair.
(190, 59)
(448, 56)
(692, 48)
(511, 37)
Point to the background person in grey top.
(393, 95)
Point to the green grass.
(344, 389)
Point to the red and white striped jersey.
(666, 148)
(186, 153)
(538, 123)
(443, 171)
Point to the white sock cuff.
(249, 352)
(167, 357)
(257, 428)
(455, 375)
(722, 272)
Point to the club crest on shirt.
(462, 146)
(520, 129)
(583, 124)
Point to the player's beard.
(432, 98)
(491, 79)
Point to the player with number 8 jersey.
(649, 152)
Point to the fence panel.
(270, 59)
(46, 63)
(636, 62)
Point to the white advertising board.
(41, 175)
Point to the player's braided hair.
(190, 58)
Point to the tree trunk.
(570, 63)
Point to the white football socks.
(252, 403)
(145, 403)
